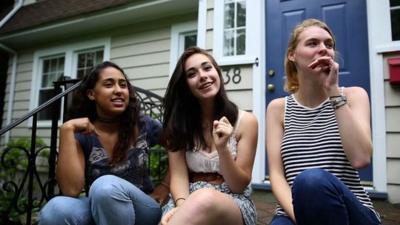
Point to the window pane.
(241, 14)
(229, 43)
(87, 60)
(241, 42)
(190, 40)
(229, 15)
(45, 95)
(395, 18)
(394, 3)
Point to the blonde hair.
(291, 80)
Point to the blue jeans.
(321, 198)
(112, 201)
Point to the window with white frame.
(235, 22)
(52, 69)
(183, 36)
(395, 19)
(234, 27)
(74, 61)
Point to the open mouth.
(205, 85)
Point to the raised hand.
(330, 73)
(222, 130)
(82, 125)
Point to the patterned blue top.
(135, 169)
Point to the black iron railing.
(23, 190)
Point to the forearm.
(236, 178)
(283, 194)
(356, 140)
(70, 173)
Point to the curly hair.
(182, 121)
(291, 81)
(129, 120)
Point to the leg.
(66, 210)
(116, 201)
(321, 198)
(207, 206)
(281, 220)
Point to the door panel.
(348, 21)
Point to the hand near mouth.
(328, 67)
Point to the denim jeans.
(320, 198)
(112, 201)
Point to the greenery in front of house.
(158, 163)
(14, 164)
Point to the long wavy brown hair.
(182, 122)
(129, 120)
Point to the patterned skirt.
(243, 201)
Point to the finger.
(322, 61)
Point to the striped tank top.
(311, 139)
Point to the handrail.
(39, 108)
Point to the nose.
(203, 74)
(117, 89)
(323, 49)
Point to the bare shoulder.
(355, 94)
(247, 124)
(276, 106)
(248, 118)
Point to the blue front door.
(348, 21)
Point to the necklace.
(108, 120)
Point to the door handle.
(271, 87)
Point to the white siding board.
(392, 94)
(148, 36)
(141, 48)
(243, 99)
(393, 145)
(393, 165)
(393, 119)
(145, 59)
(138, 72)
(152, 83)
(394, 190)
(22, 95)
(210, 19)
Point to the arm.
(178, 176)
(274, 135)
(179, 182)
(70, 169)
(237, 172)
(354, 126)
(353, 118)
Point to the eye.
(108, 84)
(329, 44)
(190, 74)
(312, 43)
(123, 84)
(208, 67)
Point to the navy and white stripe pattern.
(311, 140)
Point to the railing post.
(53, 141)
(31, 169)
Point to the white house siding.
(21, 100)
(392, 111)
(145, 54)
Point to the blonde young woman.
(212, 145)
(318, 136)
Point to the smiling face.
(313, 43)
(111, 93)
(202, 77)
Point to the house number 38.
(231, 74)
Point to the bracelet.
(176, 200)
(338, 101)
